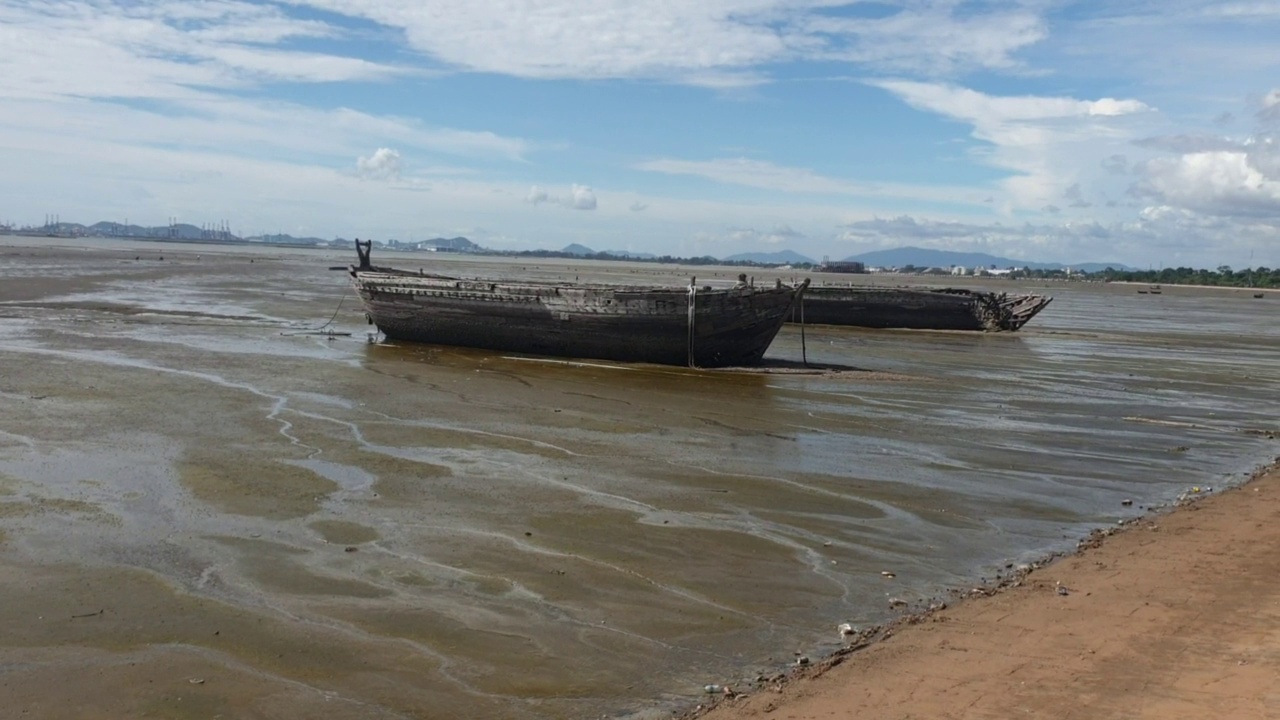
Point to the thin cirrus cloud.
(161, 50)
(709, 43)
(764, 175)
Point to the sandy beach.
(1174, 616)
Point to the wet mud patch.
(341, 532)
(279, 567)
(36, 506)
(399, 481)
(267, 489)
(650, 565)
(60, 622)
(508, 655)
(407, 434)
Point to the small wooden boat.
(919, 308)
(694, 326)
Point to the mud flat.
(1176, 615)
(209, 507)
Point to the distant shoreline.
(1201, 287)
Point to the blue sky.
(1138, 131)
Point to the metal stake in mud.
(693, 301)
(804, 353)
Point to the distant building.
(842, 267)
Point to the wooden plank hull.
(730, 326)
(919, 309)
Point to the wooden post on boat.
(363, 250)
(693, 301)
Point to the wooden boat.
(918, 308)
(694, 326)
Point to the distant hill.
(457, 244)
(782, 257)
(579, 250)
(286, 238)
(629, 254)
(925, 257)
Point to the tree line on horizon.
(1224, 276)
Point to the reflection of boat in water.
(920, 308)
(699, 326)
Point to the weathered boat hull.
(919, 309)
(728, 326)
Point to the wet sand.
(1176, 616)
(207, 508)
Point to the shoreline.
(1195, 287)
(879, 672)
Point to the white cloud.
(580, 197)
(1188, 143)
(1044, 141)
(384, 164)
(536, 195)
(781, 179)
(733, 240)
(1211, 183)
(932, 38)
(754, 173)
(988, 112)
(159, 50)
(714, 43)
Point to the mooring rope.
(314, 331)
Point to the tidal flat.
(209, 508)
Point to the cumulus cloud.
(1270, 110)
(1183, 144)
(1033, 136)
(536, 195)
(383, 164)
(1211, 183)
(580, 197)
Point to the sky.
(1145, 132)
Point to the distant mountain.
(457, 244)
(782, 257)
(287, 239)
(924, 257)
(629, 254)
(576, 249)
